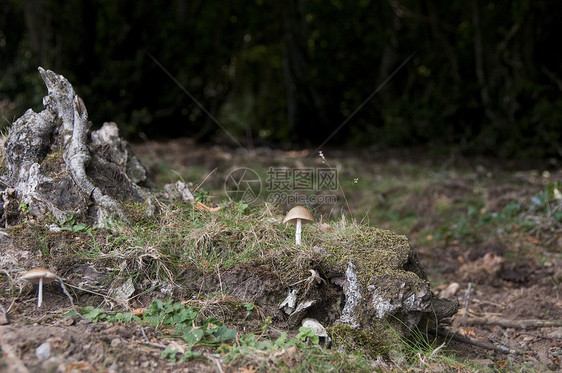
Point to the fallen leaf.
(501, 364)
(139, 311)
(203, 207)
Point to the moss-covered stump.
(362, 283)
(385, 293)
(56, 166)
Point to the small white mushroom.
(297, 215)
(39, 276)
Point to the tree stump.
(57, 166)
(367, 288)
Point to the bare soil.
(514, 276)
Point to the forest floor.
(487, 232)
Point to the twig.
(466, 300)
(220, 279)
(71, 301)
(93, 292)
(156, 345)
(144, 334)
(507, 323)
(459, 338)
(205, 179)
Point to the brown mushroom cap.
(35, 274)
(298, 212)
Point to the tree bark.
(57, 167)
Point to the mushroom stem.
(298, 232)
(40, 295)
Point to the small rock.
(179, 190)
(53, 364)
(115, 342)
(3, 317)
(318, 330)
(315, 327)
(450, 291)
(43, 351)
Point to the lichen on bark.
(55, 167)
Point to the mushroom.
(39, 276)
(298, 214)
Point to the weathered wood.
(57, 166)
(516, 324)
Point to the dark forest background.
(485, 78)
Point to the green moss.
(53, 163)
(372, 250)
(244, 236)
(137, 213)
(368, 344)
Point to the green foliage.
(242, 207)
(186, 323)
(174, 319)
(419, 343)
(250, 343)
(272, 72)
(70, 224)
(168, 313)
(97, 315)
(549, 201)
(24, 207)
(202, 196)
(306, 333)
(546, 205)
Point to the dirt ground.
(507, 282)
